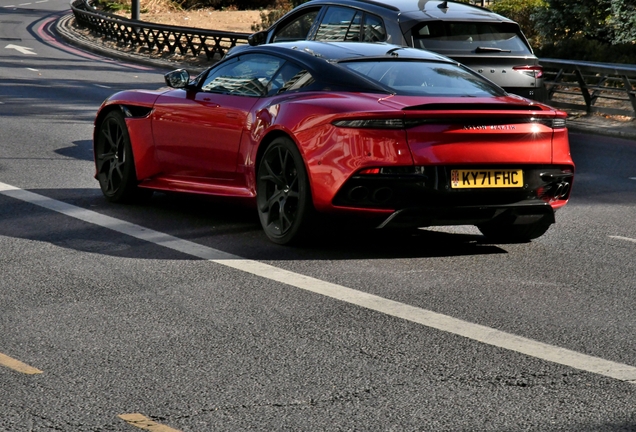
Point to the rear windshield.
(461, 37)
(418, 78)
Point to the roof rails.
(466, 4)
(380, 4)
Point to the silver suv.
(477, 37)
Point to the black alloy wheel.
(283, 195)
(115, 162)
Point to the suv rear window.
(420, 78)
(461, 37)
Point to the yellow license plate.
(489, 178)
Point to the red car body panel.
(198, 135)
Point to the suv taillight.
(535, 71)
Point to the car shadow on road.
(80, 150)
(226, 225)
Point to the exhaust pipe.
(565, 190)
(358, 193)
(382, 195)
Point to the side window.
(290, 77)
(373, 29)
(249, 75)
(339, 24)
(297, 28)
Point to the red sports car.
(392, 136)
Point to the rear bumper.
(426, 197)
(430, 186)
(517, 214)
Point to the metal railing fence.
(592, 87)
(156, 38)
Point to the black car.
(477, 37)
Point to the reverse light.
(554, 123)
(370, 171)
(534, 71)
(390, 123)
(558, 123)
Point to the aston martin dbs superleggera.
(391, 136)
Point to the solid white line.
(393, 308)
(624, 238)
(102, 86)
(34, 70)
(632, 178)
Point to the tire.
(506, 232)
(115, 162)
(283, 195)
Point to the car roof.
(319, 58)
(337, 51)
(424, 9)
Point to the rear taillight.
(389, 123)
(535, 71)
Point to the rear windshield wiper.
(490, 49)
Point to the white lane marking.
(632, 178)
(393, 308)
(24, 4)
(34, 70)
(624, 238)
(102, 86)
(9, 6)
(23, 50)
(41, 1)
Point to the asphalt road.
(182, 313)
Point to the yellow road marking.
(17, 365)
(143, 422)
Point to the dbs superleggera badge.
(490, 127)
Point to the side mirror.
(177, 78)
(258, 38)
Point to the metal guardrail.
(592, 87)
(156, 38)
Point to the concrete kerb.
(598, 125)
(577, 122)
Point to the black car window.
(248, 75)
(297, 28)
(289, 77)
(457, 37)
(373, 29)
(339, 24)
(421, 78)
